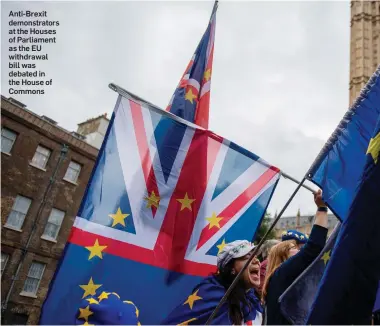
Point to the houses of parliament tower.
(365, 44)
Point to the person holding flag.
(242, 306)
(286, 262)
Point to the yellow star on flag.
(326, 257)
(374, 147)
(221, 246)
(86, 323)
(214, 221)
(96, 250)
(190, 96)
(85, 313)
(186, 202)
(103, 295)
(118, 218)
(90, 288)
(207, 75)
(192, 298)
(92, 301)
(152, 200)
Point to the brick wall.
(20, 178)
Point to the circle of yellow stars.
(90, 289)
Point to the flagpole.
(287, 176)
(254, 253)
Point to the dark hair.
(236, 297)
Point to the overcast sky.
(280, 74)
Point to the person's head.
(299, 237)
(266, 247)
(278, 254)
(232, 259)
(230, 262)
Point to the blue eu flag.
(338, 168)
(347, 292)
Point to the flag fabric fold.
(347, 292)
(296, 301)
(151, 242)
(191, 99)
(198, 306)
(338, 168)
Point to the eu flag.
(338, 168)
(198, 306)
(348, 288)
(145, 215)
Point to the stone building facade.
(94, 130)
(301, 223)
(44, 173)
(365, 44)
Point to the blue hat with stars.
(294, 235)
(107, 309)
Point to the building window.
(19, 210)
(53, 224)
(41, 157)
(72, 172)
(33, 279)
(4, 260)
(8, 138)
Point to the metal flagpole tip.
(112, 86)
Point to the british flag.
(191, 99)
(165, 196)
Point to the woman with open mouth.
(242, 306)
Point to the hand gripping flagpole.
(256, 250)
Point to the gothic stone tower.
(365, 44)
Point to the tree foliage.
(264, 226)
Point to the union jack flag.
(156, 211)
(191, 99)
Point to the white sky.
(280, 74)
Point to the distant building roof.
(93, 119)
(10, 106)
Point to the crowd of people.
(254, 301)
(255, 298)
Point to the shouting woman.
(242, 306)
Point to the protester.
(286, 262)
(295, 235)
(267, 245)
(242, 306)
